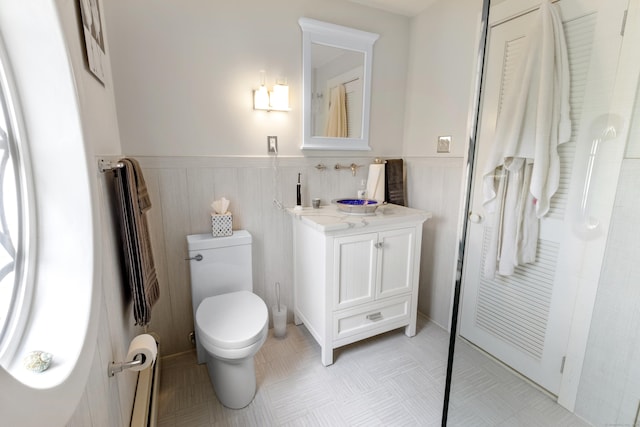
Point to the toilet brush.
(279, 316)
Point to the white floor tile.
(389, 380)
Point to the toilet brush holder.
(279, 320)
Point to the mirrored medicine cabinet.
(336, 76)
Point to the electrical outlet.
(444, 144)
(272, 144)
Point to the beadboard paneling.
(107, 401)
(182, 189)
(434, 184)
(162, 324)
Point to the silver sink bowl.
(357, 206)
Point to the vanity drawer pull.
(374, 316)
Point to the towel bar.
(106, 165)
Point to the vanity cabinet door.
(355, 268)
(395, 262)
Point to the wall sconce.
(275, 100)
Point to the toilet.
(231, 322)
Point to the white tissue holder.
(222, 224)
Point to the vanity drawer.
(375, 317)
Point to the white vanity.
(355, 276)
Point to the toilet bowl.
(230, 321)
(232, 327)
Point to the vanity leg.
(410, 329)
(327, 355)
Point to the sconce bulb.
(261, 98)
(279, 97)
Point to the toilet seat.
(232, 321)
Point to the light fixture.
(261, 98)
(275, 100)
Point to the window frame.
(26, 251)
(66, 298)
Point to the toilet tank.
(225, 265)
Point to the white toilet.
(231, 322)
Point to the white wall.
(439, 88)
(442, 62)
(609, 390)
(185, 71)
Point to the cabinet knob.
(379, 245)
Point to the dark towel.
(394, 182)
(134, 201)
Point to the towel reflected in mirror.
(337, 120)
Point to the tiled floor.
(390, 380)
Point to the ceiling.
(401, 7)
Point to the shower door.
(524, 320)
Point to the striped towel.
(134, 201)
(394, 177)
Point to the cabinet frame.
(316, 260)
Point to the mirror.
(336, 77)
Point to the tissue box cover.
(222, 225)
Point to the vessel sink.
(357, 206)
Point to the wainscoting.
(182, 189)
(106, 400)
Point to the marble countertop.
(329, 218)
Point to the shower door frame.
(585, 301)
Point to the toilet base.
(234, 381)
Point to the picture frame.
(92, 27)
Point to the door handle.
(475, 218)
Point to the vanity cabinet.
(356, 276)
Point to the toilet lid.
(233, 320)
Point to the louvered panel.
(516, 308)
(350, 124)
(513, 51)
(579, 35)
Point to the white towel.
(376, 182)
(533, 121)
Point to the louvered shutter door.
(516, 308)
